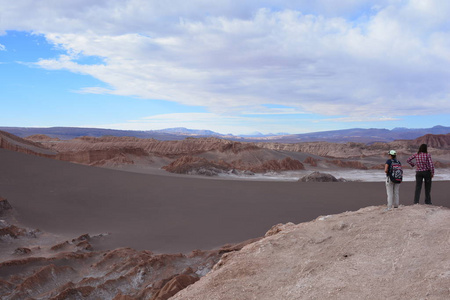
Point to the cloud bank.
(360, 60)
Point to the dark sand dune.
(172, 214)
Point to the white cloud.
(359, 119)
(2, 47)
(358, 59)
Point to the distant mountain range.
(363, 135)
(347, 135)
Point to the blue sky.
(228, 66)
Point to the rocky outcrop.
(202, 166)
(348, 164)
(174, 285)
(10, 231)
(188, 146)
(434, 140)
(377, 167)
(41, 138)
(286, 164)
(311, 161)
(360, 150)
(11, 142)
(326, 149)
(220, 155)
(5, 207)
(196, 166)
(103, 157)
(366, 254)
(319, 177)
(68, 271)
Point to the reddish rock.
(210, 156)
(84, 237)
(377, 167)
(6, 287)
(12, 231)
(14, 143)
(75, 293)
(122, 273)
(22, 251)
(434, 140)
(286, 164)
(84, 245)
(40, 138)
(190, 164)
(175, 285)
(120, 296)
(103, 156)
(43, 280)
(348, 164)
(311, 161)
(60, 246)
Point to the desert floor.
(173, 214)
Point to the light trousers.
(393, 193)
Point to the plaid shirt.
(423, 161)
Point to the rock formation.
(74, 270)
(5, 207)
(367, 254)
(311, 161)
(214, 155)
(434, 140)
(196, 166)
(319, 177)
(348, 164)
(41, 138)
(11, 142)
(286, 164)
(202, 166)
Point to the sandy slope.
(171, 214)
(367, 254)
(340, 257)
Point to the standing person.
(392, 188)
(424, 172)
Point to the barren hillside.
(212, 156)
(366, 254)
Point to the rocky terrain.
(400, 254)
(212, 156)
(36, 265)
(11, 142)
(366, 254)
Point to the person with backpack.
(424, 172)
(394, 176)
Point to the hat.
(392, 152)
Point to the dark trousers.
(420, 177)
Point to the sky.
(234, 67)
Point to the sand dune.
(171, 214)
(174, 213)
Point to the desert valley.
(121, 217)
